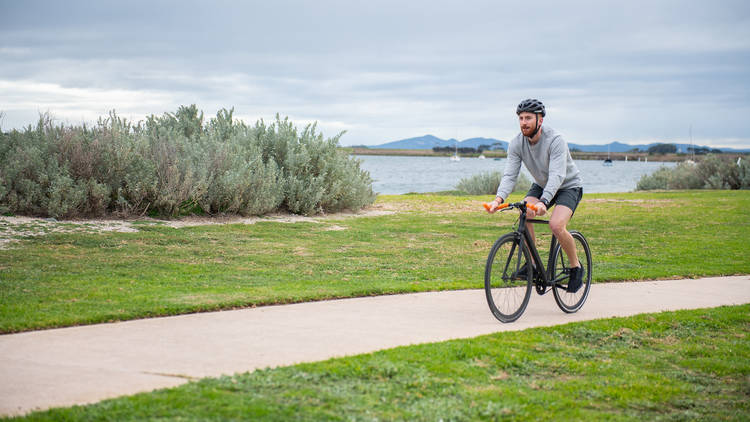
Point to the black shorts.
(568, 197)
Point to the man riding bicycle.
(545, 154)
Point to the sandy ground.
(13, 229)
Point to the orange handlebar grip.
(532, 206)
(501, 206)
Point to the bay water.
(394, 175)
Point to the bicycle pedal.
(541, 289)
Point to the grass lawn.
(686, 365)
(432, 242)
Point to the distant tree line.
(462, 150)
(704, 150)
(662, 149)
(468, 150)
(672, 149)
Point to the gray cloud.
(626, 71)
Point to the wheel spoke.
(508, 277)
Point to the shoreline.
(577, 155)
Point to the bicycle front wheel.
(507, 287)
(567, 301)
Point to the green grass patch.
(432, 242)
(686, 365)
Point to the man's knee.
(558, 226)
(559, 221)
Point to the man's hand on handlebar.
(534, 209)
(494, 204)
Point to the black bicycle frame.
(532, 247)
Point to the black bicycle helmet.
(531, 105)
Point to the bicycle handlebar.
(519, 205)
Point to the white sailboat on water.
(455, 155)
(691, 161)
(608, 161)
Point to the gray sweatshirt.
(548, 161)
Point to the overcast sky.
(628, 71)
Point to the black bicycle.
(510, 270)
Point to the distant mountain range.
(430, 141)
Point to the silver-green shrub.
(49, 178)
(656, 180)
(487, 183)
(713, 172)
(744, 174)
(317, 176)
(719, 172)
(174, 164)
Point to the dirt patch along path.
(79, 365)
(14, 228)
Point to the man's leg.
(530, 226)
(558, 224)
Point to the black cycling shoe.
(576, 280)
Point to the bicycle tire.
(507, 293)
(571, 302)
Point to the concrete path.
(78, 365)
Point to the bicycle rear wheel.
(567, 301)
(507, 292)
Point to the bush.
(175, 164)
(317, 176)
(744, 174)
(656, 180)
(713, 172)
(487, 183)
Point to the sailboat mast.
(692, 148)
